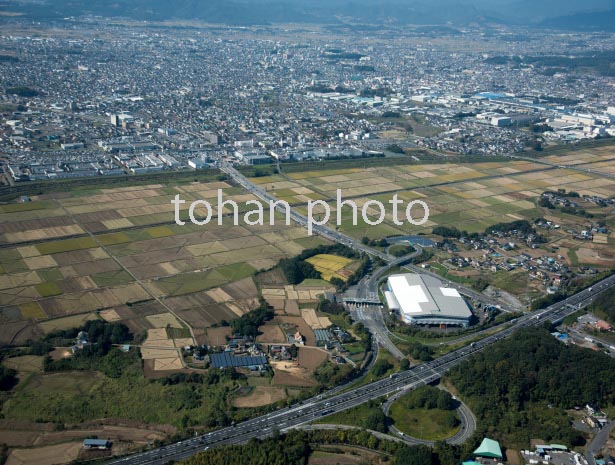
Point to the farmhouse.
(423, 300)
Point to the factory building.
(424, 300)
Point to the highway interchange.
(335, 401)
(324, 404)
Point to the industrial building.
(424, 300)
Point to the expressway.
(321, 406)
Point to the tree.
(376, 421)
(381, 367)
(404, 364)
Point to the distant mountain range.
(571, 14)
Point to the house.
(100, 444)
(299, 339)
(592, 408)
(603, 325)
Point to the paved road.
(311, 409)
(598, 443)
(371, 317)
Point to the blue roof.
(95, 442)
(224, 360)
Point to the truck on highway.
(393, 375)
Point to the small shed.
(102, 444)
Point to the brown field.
(291, 374)
(292, 308)
(261, 395)
(25, 434)
(272, 334)
(163, 320)
(25, 363)
(166, 364)
(66, 322)
(47, 455)
(110, 315)
(217, 336)
(311, 358)
(314, 321)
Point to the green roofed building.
(489, 448)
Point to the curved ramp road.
(318, 407)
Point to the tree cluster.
(522, 386)
(248, 323)
(429, 397)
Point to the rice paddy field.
(118, 254)
(332, 266)
(468, 196)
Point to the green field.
(67, 245)
(430, 425)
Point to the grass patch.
(25, 206)
(159, 231)
(189, 283)
(178, 333)
(113, 238)
(48, 289)
(430, 425)
(32, 311)
(67, 245)
(112, 278)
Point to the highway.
(318, 407)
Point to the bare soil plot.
(271, 334)
(74, 321)
(311, 358)
(47, 455)
(166, 364)
(163, 320)
(313, 320)
(217, 336)
(291, 374)
(110, 315)
(292, 307)
(260, 396)
(25, 363)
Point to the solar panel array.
(225, 359)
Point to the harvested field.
(291, 374)
(314, 321)
(162, 320)
(166, 364)
(311, 358)
(292, 308)
(272, 334)
(110, 315)
(69, 322)
(47, 455)
(217, 336)
(260, 396)
(25, 363)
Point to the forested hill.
(520, 388)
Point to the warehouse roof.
(421, 295)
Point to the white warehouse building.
(424, 300)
